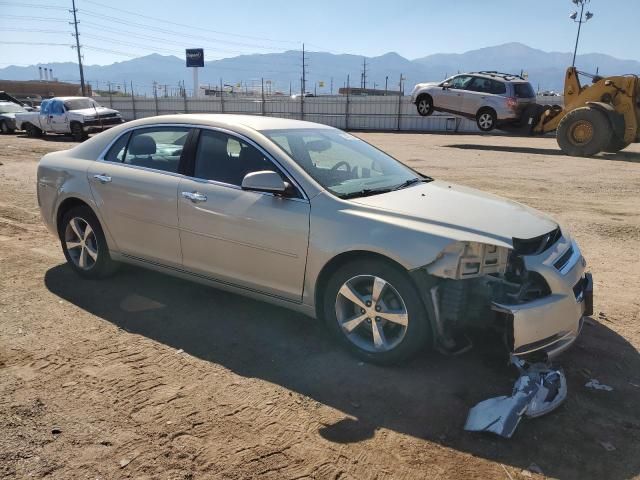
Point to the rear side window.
(159, 148)
(117, 151)
(498, 88)
(523, 90)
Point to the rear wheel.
(486, 119)
(615, 145)
(84, 244)
(32, 131)
(77, 132)
(374, 310)
(425, 105)
(583, 132)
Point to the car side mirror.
(264, 181)
(446, 85)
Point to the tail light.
(512, 103)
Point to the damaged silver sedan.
(314, 219)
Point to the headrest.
(142, 145)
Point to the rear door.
(476, 94)
(254, 240)
(136, 189)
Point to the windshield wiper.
(364, 193)
(411, 181)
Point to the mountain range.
(282, 71)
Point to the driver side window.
(461, 82)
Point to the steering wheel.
(340, 164)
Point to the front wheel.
(425, 105)
(84, 244)
(374, 310)
(77, 132)
(486, 120)
(583, 132)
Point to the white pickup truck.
(77, 116)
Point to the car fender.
(56, 184)
(371, 232)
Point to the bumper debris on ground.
(539, 390)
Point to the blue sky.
(411, 28)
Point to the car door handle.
(195, 197)
(102, 178)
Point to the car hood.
(9, 114)
(93, 111)
(461, 212)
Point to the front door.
(58, 122)
(450, 99)
(136, 190)
(249, 239)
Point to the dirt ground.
(147, 376)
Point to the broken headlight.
(469, 260)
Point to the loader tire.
(583, 132)
(615, 145)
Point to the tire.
(583, 132)
(90, 257)
(424, 104)
(401, 338)
(486, 119)
(4, 128)
(78, 134)
(615, 145)
(32, 131)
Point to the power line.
(191, 27)
(172, 32)
(33, 5)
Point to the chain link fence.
(375, 113)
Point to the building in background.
(33, 92)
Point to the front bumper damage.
(538, 304)
(551, 323)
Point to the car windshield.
(343, 164)
(80, 104)
(11, 108)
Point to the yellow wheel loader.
(601, 117)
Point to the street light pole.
(573, 17)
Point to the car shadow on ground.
(426, 399)
(622, 156)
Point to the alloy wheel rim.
(424, 106)
(81, 243)
(371, 313)
(485, 120)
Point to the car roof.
(64, 99)
(505, 77)
(254, 122)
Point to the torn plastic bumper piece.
(550, 324)
(538, 391)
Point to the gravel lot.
(147, 376)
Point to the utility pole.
(303, 83)
(386, 84)
(77, 35)
(574, 17)
(364, 72)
